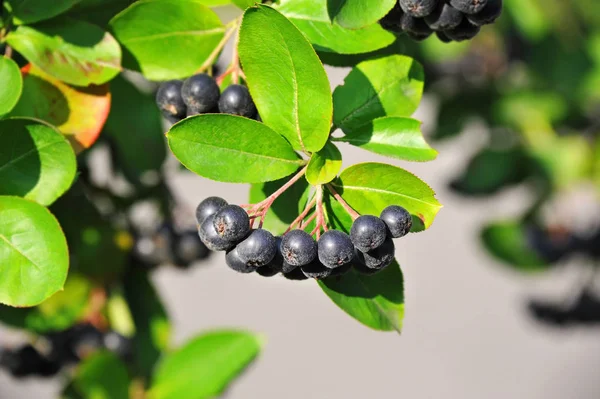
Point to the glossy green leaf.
(286, 79)
(354, 14)
(370, 187)
(30, 11)
(152, 326)
(12, 84)
(312, 18)
(78, 112)
(75, 52)
(98, 12)
(508, 242)
(134, 122)
(376, 301)
(324, 165)
(286, 207)
(389, 86)
(167, 39)
(102, 376)
(205, 366)
(232, 149)
(33, 252)
(394, 137)
(36, 162)
(243, 4)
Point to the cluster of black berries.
(200, 94)
(451, 20)
(166, 245)
(369, 247)
(61, 349)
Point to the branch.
(343, 203)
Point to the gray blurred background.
(466, 333)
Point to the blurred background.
(502, 293)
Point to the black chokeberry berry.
(209, 236)
(415, 26)
(268, 270)
(236, 100)
(444, 17)
(232, 223)
(316, 270)
(469, 6)
(235, 262)
(187, 248)
(200, 93)
(286, 267)
(443, 37)
(488, 14)
(465, 31)
(118, 344)
(391, 21)
(362, 269)
(169, 100)
(379, 257)
(418, 8)
(295, 274)
(209, 207)
(298, 248)
(335, 249)
(368, 232)
(397, 220)
(275, 265)
(258, 249)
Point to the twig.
(215, 53)
(343, 203)
(8, 51)
(303, 214)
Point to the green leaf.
(134, 122)
(232, 149)
(243, 4)
(62, 309)
(12, 84)
(75, 52)
(102, 376)
(286, 79)
(507, 241)
(30, 11)
(98, 12)
(376, 301)
(389, 86)
(324, 165)
(38, 163)
(205, 366)
(33, 252)
(152, 326)
(286, 207)
(354, 14)
(394, 137)
(370, 187)
(311, 17)
(167, 39)
(78, 112)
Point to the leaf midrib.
(5, 239)
(37, 149)
(376, 190)
(175, 33)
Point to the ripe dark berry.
(416, 26)
(367, 232)
(464, 31)
(169, 101)
(362, 269)
(339, 271)
(379, 257)
(268, 270)
(258, 249)
(444, 17)
(275, 265)
(391, 21)
(200, 93)
(295, 274)
(235, 262)
(236, 100)
(488, 14)
(418, 8)
(419, 36)
(335, 249)
(188, 248)
(118, 344)
(232, 223)
(298, 248)
(443, 37)
(286, 267)
(316, 270)
(397, 220)
(208, 207)
(209, 236)
(469, 6)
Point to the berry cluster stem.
(343, 203)
(212, 58)
(300, 219)
(320, 214)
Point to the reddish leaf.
(78, 112)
